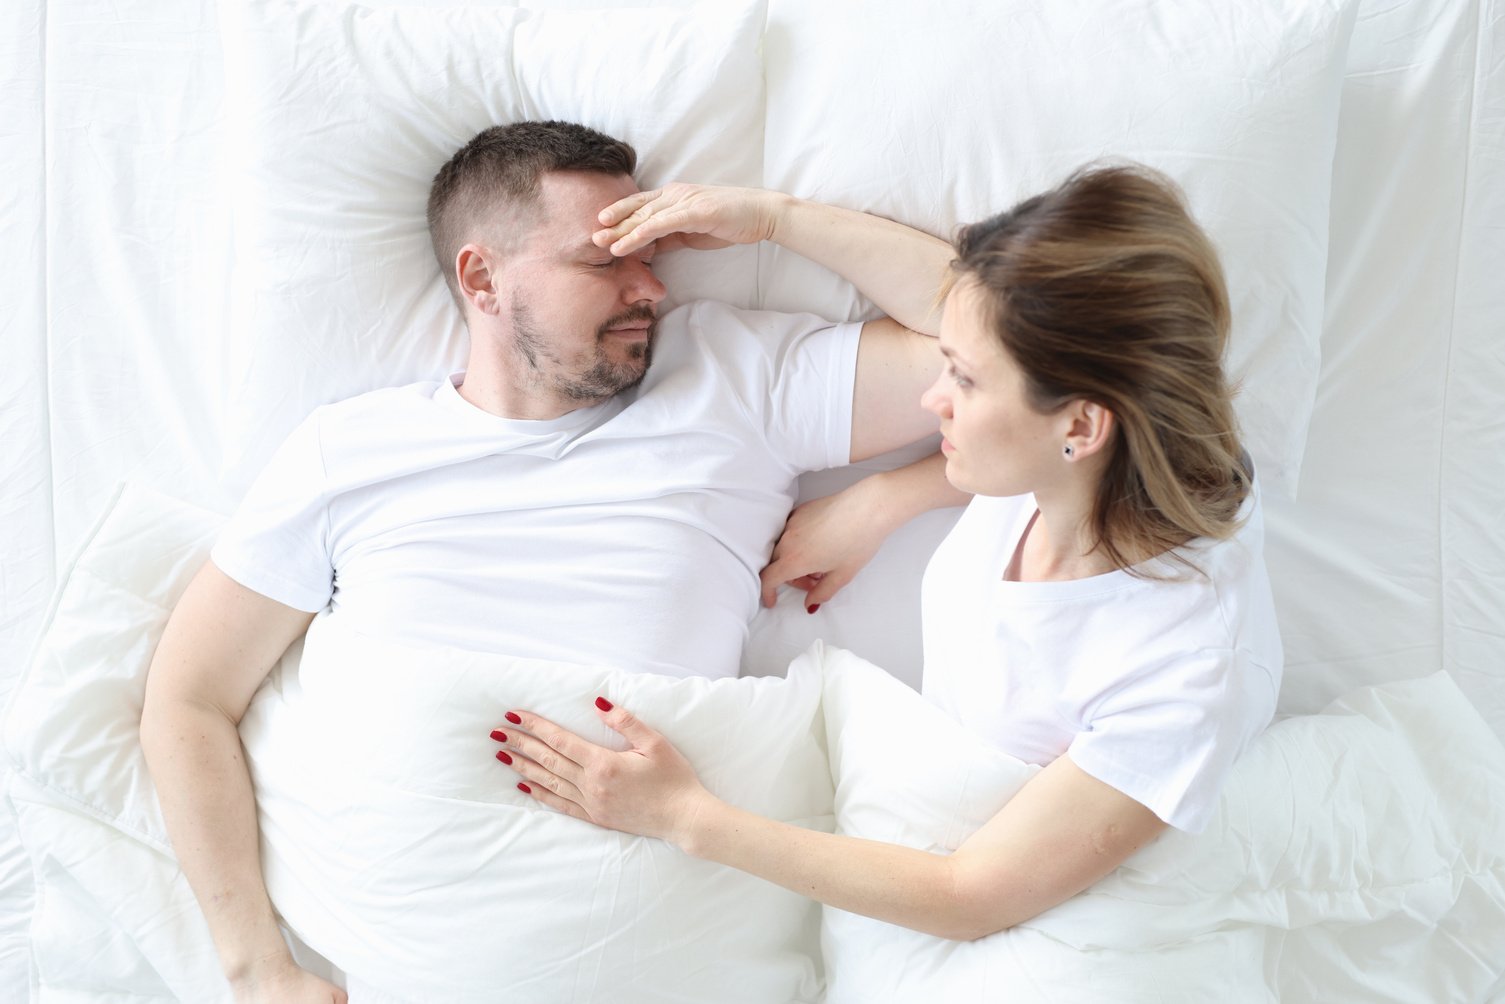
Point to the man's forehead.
(570, 203)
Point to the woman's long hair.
(1105, 289)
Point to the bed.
(215, 224)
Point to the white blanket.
(1356, 855)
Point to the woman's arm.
(1061, 833)
(897, 267)
(827, 541)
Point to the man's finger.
(623, 208)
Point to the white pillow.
(939, 114)
(486, 888)
(1373, 834)
(341, 116)
(397, 847)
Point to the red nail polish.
(812, 608)
(603, 704)
(499, 735)
(524, 788)
(504, 757)
(512, 717)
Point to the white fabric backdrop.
(1391, 563)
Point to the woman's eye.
(960, 380)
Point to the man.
(598, 485)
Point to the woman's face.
(995, 442)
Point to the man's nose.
(643, 284)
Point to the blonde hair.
(1105, 289)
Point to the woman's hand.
(650, 789)
(825, 543)
(696, 216)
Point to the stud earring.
(1068, 450)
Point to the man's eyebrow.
(588, 247)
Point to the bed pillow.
(492, 889)
(340, 117)
(940, 114)
(1368, 840)
(396, 846)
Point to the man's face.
(583, 321)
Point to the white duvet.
(1361, 851)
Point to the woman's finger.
(561, 740)
(626, 724)
(541, 753)
(540, 778)
(541, 794)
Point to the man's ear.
(475, 267)
(1091, 427)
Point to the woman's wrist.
(702, 815)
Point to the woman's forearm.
(897, 267)
(900, 885)
(918, 488)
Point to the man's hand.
(280, 981)
(694, 216)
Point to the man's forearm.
(897, 267)
(199, 769)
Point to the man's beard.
(603, 378)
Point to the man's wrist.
(779, 207)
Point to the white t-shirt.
(1153, 687)
(628, 533)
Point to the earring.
(1068, 450)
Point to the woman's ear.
(477, 278)
(1090, 429)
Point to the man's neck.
(497, 393)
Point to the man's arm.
(898, 267)
(220, 642)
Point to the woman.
(1101, 608)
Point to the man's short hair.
(500, 169)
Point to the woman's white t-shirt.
(1152, 685)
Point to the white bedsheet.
(1390, 565)
(1359, 849)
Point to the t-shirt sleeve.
(1170, 739)
(794, 375)
(277, 542)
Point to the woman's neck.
(1059, 545)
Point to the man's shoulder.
(379, 416)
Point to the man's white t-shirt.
(1152, 686)
(628, 534)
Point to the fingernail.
(499, 735)
(511, 716)
(603, 704)
(524, 788)
(503, 757)
(812, 608)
